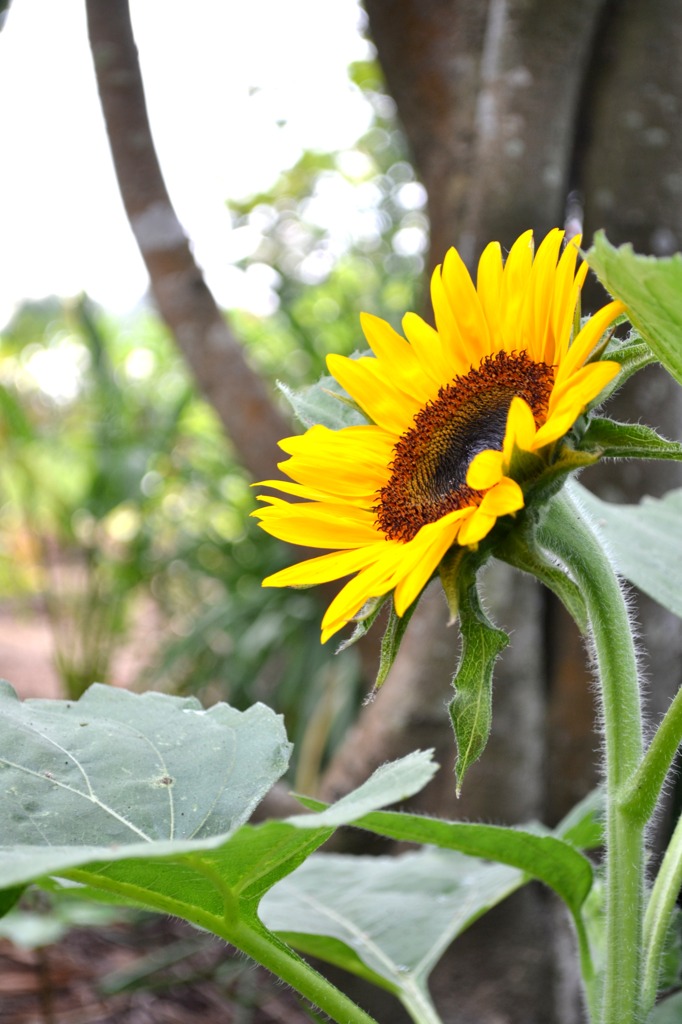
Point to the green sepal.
(391, 640)
(614, 440)
(364, 621)
(482, 643)
(632, 353)
(568, 460)
(448, 570)
(521, 550)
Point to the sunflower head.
(461, 423)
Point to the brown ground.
(149, 970)
(155, 971)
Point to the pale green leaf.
(583, 826)
(79, 804)
(628, 441)
(391, 917)
(644, 541)
(389, 784)
(117, 767)
(669, 1011)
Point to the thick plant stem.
(248, 936)
(568, 533)
(286, 965)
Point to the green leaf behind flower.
(482, 643)
(628, 441)
(645, 542)
(651, 289)
(324, 402)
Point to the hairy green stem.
(658, 913)
(293, 970)
(248, 936)
(568, 533)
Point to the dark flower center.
(469, 415)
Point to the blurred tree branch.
(185, 302)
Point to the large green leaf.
(388, 919)
(645, 542)
(651, 288)
(79, 802)
(117, 776)
(118, 767)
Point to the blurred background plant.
(124, 511)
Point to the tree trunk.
(236, 391)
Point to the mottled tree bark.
(214, 355)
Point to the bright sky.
(235, 92)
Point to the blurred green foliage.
(122, 506)
(339, 234)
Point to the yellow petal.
(586, 340)
(579, 392)
(485, 470)
(520, 430)
(385, 404)
(503, 498)
(372, 581)
(540, 294)
(421, 557)
(466, 306)
(475, 528)
(488, 284)
(563, 306)
(515, 277)
(461, 353)
(318, 524)
(430, 348)
(583, 386)
(392, 349)
(323, 568)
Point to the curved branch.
(180, 291)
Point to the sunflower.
(448, 408)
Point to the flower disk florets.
(468, 416)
